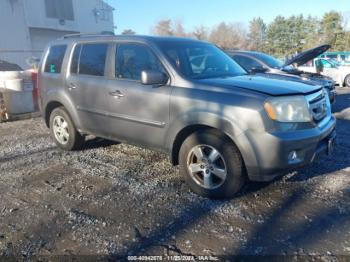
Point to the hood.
(306, 76)
(287, 77)
(307, 55)
(276, 86)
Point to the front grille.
(318, 105)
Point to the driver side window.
(132, 59)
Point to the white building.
(26, 26)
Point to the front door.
(138, 113)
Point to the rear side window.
(92, 59)
(55, 58)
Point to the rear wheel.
(347, 81)
(63, 130)
(212, 165)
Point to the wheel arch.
(52, 105)
(185, 129)
(57, 98)
(70, 108)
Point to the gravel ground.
(114, 200)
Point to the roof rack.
(103, 33)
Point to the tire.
(63, 130)
(347, 81)
(222, 184)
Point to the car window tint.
(197, 60)
(93, 59)
(74, 68)
(54, 59)
(326, 64)
(246, 62)
(132, 59)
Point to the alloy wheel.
(60, 130)
(206, 166)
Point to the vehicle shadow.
(342, 101)
(265, 239)
(275, 237)
(189, 216)
(97, 142)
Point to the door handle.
(71, 86)
(116, 93)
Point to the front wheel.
(212, 165)
(63, 130)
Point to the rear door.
(87, 87)
(50, 75)
(138, 113)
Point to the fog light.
(293, 157)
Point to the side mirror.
(255, 70)
(153, 77)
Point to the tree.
(331, 29)
(297, 33)
(282, 37)
(347, 41)
(163, 28)
(229, 36)
(200, 33)
(128, 32)
(312, 33)
(277, 37)
(179, 29)
(257, 34)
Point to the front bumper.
(273, 150)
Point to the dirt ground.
(111, 200)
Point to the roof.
(110, 36)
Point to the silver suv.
(221, 125)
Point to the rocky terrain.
(111, 200)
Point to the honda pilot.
(221, 125)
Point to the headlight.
(288, 109)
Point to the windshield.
(200, 60)
(270, 60)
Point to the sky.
(141, 15)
